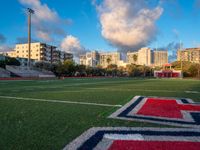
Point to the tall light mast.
(181, 56)
(30, 12)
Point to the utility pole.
(30, 12)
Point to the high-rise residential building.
(90, 59)
(82, 59)
(141, 57)
(61, 56)
(132, 58)
(39, 52)
(144, 56)
(109, 58)
(160, 58)
(104, 59)
(189, 54)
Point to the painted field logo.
(170, 111)
(137, 139)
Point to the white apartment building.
(39, 52)
(132, 58)
(104, 59)
(144, 56)
(90, 59)
(109, 58)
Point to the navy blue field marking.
(184, 101)
(131, 107)
(124, 114)
(98, 136)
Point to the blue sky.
(180, 20)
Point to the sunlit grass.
(43, 125)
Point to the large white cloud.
(128, 24)
(46, 21)
(72, 45)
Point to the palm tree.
(135, 57)
(108, 60)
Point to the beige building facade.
(95, 58)
(90, 59)
(132, 58)
(160, 58)
(109, 58)
(189, 54)
(40, 52)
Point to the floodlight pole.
(181, 56)
(30, 12)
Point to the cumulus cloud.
(2, 39)
(46, 21)
(72, 45)
(128, 24)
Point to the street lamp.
(30, 12)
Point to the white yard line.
(59, 101)
(192, 92)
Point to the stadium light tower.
(30, 12)
(181, 56)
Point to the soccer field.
(48, 114)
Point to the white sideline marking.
(60, 101)
(194, 92)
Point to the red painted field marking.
(154, 145)
(165, 108)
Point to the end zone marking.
(59, 101)
(161, 110)
(121, 138)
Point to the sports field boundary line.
(60, 101)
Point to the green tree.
(68, 67)
(185, 67)
(2, 63)
(12, 61)
(194, 70)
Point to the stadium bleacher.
(4, 73)
(27, 72)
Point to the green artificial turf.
(43, 125)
